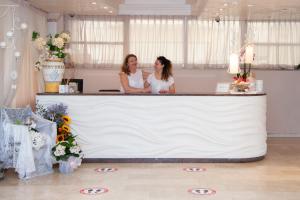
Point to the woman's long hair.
(167, 69)
(125, 67)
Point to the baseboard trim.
(172, 160)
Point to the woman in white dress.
(161, 80)
(133, 79)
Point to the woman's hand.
(164, 91)
(147, 90)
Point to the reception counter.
(114, 127)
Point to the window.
(211, 43)
(157, 36)
(96, 41)
(276, 43)
(104, 41)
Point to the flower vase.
(53, 71)
(65, 167)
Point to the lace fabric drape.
(16, 145)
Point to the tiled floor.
(277, 177)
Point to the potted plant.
(67, 151)
(68, 154)
(52, 54)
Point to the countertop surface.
(144, 94)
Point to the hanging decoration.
(9, 39)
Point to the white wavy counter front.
(126, 126)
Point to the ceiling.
(229, 9)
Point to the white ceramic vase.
(68, 166)
(65, 167)
(53, 72)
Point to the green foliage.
(35, 35)
(18, 122)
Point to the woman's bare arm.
(170, 91)
(125, 84)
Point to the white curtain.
(277, 44)
(150, 37)
(97, 41)
(189, 42)
(210, 43)
(18, 78)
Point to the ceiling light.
(250, 5)
(105, 7)
(221, 9)
(225, 4)
(110, 11)
(94, 3)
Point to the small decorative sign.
(93, 191)
(194, 169)
(106, 169)
(202, 191)
(222, 87)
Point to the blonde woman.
(133, 79)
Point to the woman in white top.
(132, 79)
(161, 81)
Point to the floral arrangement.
(58, 114)
(51, 47)
(65, 149)
(241, 82)
(66, 146)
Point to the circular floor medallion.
(194, 169)
(202, 191)
(93, 191)
(106, 169)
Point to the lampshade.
(234, 67)
(249, 54)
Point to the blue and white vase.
(53, 72)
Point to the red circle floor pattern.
(202, 191)
(93, 191)
(106, 169)
(194, 169)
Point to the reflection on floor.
(276, 177)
